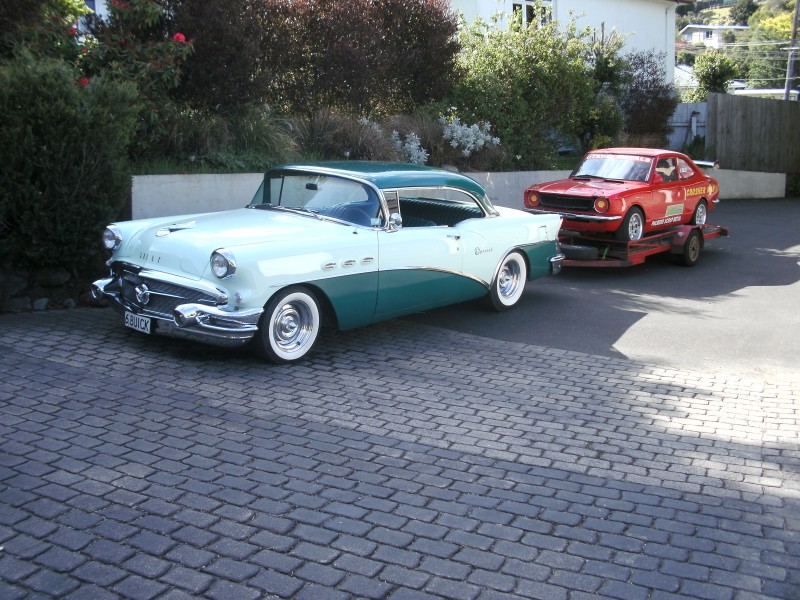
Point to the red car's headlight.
(531, 198)
(601, 205)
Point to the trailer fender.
(681, 235)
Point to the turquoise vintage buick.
(343, 244)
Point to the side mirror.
(395, 222)
(658, 178)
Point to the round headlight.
(112, 237)
(601, 205)
(223, 264)
(531, 198)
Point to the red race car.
(628, 192)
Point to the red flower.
(179, 37)
(83, 81)
(73, 31)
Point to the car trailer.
(684, 242)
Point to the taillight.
(531, 198)
(601, 205)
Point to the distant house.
(710, 36)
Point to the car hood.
(591, 188)
(183, 245)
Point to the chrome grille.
(160, 297)
(559, 202)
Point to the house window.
(527, 12)
(709, 35)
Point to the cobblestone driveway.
(401, 461)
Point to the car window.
(614, 166)
(436, 207)
(326, 195)
(666, 168)
(685, 170)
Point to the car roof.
(389, 175)
(636, 151)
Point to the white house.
(710, 36)
(647, 24)
(98, 7)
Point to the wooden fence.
(754, 134)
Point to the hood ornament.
(175, 227)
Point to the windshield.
(615, 166)
(324, 195)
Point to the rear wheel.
(509, 283)
(632, 227)
(700, 213)
(289, 326)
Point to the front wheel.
(509, 283)
(632, 227)
(289, 326)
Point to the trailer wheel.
(691, 249)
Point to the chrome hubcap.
(635, 227)
(292, 327)
(508, 281)
(701, 214)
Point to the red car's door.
(669, 195)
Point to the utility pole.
(792, 50)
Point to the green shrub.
(528, 81)
(228, 142)
(64, 171)
(331, 135)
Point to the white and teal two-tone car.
(340, 244)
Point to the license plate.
(137, 322)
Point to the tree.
(528, 81)
(647, 100)
(361, 56)
(742, 10)
(43, 27)
(136, 45)
(222, 72)
(608, 70)
(713, 70)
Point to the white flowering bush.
(410, 147)
(468, 139)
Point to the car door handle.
(455, 236)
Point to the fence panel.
(754, 134)
(688, 120)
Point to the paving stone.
(512, 471)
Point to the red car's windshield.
(614, 166)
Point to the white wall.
(165, 195)
(646, 24)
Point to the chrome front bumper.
(575, 216)
(172, 308)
